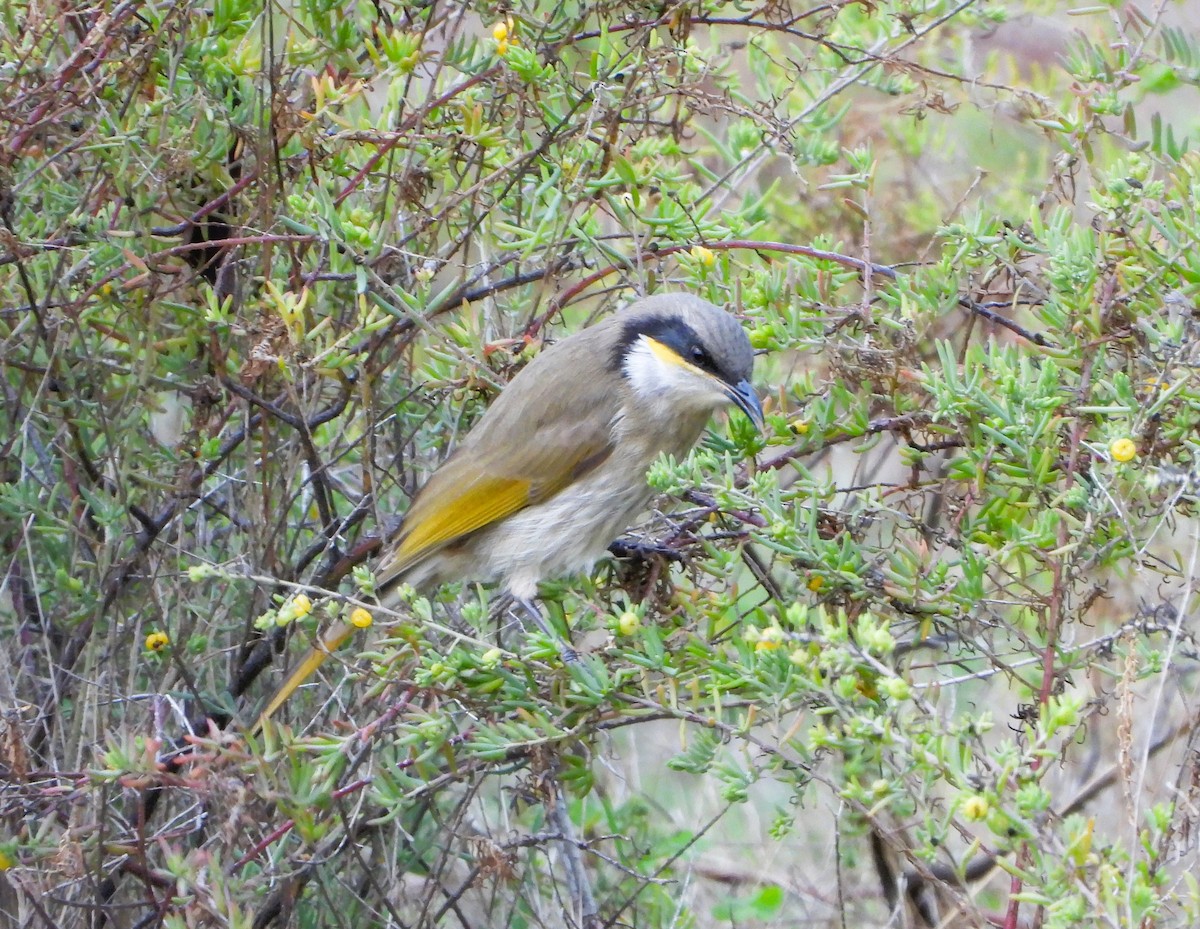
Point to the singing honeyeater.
(556, 467)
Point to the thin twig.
(578, 883)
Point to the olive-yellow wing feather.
(454, 505)
(437, 519)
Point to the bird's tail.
(331, 641)
(388, 580)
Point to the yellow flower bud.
(768, 638)
(975, 808)
(500, 31)
(301, 606)
(360, 618)
(157, 641)
(704, 255)
(628, 623)
(1123, 450)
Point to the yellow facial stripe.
(666, 353)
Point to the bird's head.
(681, 351)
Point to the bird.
(556, 467)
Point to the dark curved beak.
(743, 396)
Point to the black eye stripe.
(674, 333)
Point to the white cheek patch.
(652, 372)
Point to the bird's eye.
(701, 358)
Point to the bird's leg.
(531, 610)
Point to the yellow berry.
(157, 641)
(502, 47)
(768, 638)
(1123, 450)
(975, 808)
(896, 687)
(815, 583)
(704, 255)
(500, 32)
(799, 426)
(628, 623)
(301, 606)
(361, 618)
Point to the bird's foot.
(531, 611)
